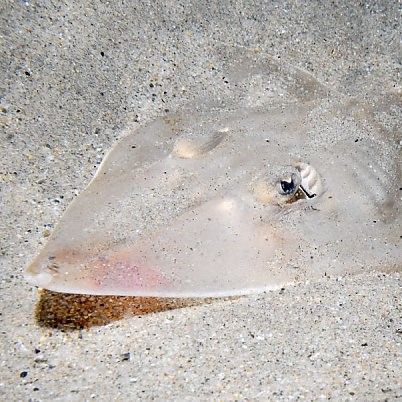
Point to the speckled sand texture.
(74, 76)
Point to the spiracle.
(311, 183)
(289, 184)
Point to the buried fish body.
(233, 200)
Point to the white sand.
(73, 78)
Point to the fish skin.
(177, 215)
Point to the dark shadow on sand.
(65, 311)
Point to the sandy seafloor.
(74, 75)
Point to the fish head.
(227, 201)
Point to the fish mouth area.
(73, 270)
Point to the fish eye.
(289, 186)
(285, 185)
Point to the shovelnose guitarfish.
(284, 180)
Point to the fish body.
(238, 198)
